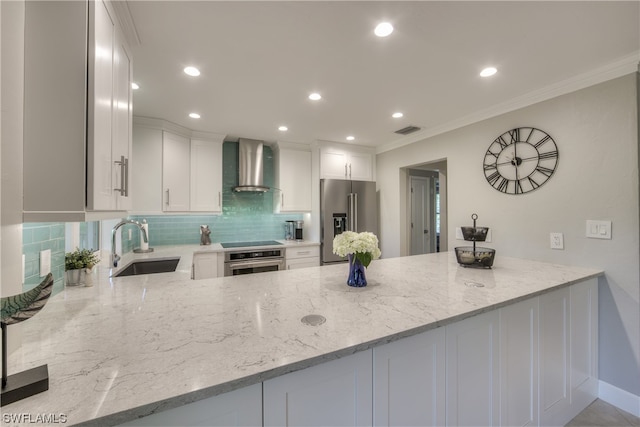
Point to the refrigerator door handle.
(353, 212)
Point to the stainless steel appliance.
(298, 230)
(253, 258)
(289, 230)
(345, 205)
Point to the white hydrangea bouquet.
(363, 245)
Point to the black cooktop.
(249, 244)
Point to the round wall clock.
(520, 160)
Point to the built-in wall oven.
(253, 259)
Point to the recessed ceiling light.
(194, 115)
(315, 96)
(283, 128)
(351, 138)
(397, 115)
(383, 29)
(135, 86)
(192, 71)
(487, 72)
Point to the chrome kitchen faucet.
(114, 256)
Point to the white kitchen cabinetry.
(75, 133)
(170, 157)
(519, 364)
(176, 158)
(554, 356)
(242, 407)
(122, 142)
(205, 265)
(568, 351)
(293, 178)
(345, 163)
(206, 176)
(409, 381)
(335, 393)
(584, 344)
(473, 375)
(302, 257)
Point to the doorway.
(426, 208)
(423, 214)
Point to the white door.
(122, 122)
(423, 225)
(206, 176)
(176, 159)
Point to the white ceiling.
(260, 60)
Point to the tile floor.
(602, 414)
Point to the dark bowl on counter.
(468, 256)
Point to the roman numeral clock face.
(520, 160)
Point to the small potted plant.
(78, 266)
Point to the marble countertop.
(132, 346)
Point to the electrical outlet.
(556, 240)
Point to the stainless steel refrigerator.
(345, 205)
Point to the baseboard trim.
(619, 398)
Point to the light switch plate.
(597, 229)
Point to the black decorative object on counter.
(471, 256)
(16, 309)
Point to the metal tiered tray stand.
(472, 256)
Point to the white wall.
(12, 70)
(597, 178)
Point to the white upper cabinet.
(77, 126)
(109, 113)
(206, 176)
(176, 170)
(122, 141)
(293, 178)
(347, 162)
(176, 159)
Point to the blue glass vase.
(356, 278)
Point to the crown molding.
(121, 9)
(165, 125)
(621, 67)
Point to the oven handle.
(238, 265)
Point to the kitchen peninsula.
(134, 346)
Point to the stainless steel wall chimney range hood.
(250, 174)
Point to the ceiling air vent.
(407, 130)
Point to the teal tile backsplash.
(245, 216)
(38, 237)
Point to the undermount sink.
(149, 266)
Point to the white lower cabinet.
(568, 352)
(584, 343)
(335, 393)
(519, 364)
(530, 363)
(473, 376)
(242, 407)
(302, 257)
(554, 356)
(409, 381)
(205, 265)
